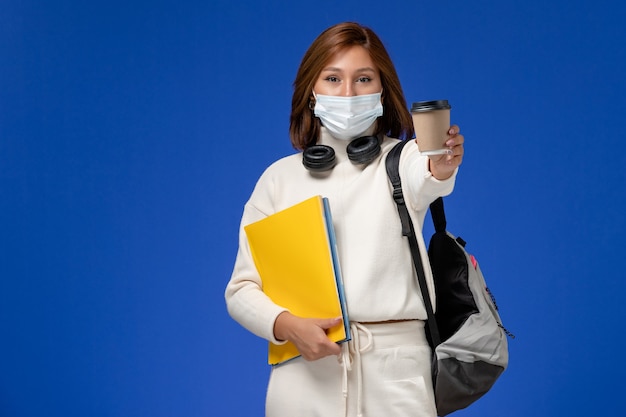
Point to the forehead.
(351, 58)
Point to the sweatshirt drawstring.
(351, 355)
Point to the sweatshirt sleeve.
(246, 302)
(420, 186)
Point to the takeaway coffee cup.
(431, 120)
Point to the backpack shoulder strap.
(392, 164)
(438, 215)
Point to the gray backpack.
(469, 343)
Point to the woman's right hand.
(309, 335)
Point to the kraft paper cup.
(431, 120)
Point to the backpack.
(468, 340)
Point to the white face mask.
(348, 117)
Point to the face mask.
(348, 117)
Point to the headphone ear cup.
(319, 158)
(363, 150)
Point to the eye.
(363, 79)
(332, 79)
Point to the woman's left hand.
(442, 166)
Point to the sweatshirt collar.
(339, 145)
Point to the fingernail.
(451, 131)
(450, 142)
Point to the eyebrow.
(335, 69)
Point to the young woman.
(347, 88)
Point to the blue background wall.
(131, 134)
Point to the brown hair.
(304, 127)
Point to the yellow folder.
(294, 251)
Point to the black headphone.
(361, 150)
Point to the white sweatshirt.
(376, 266)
